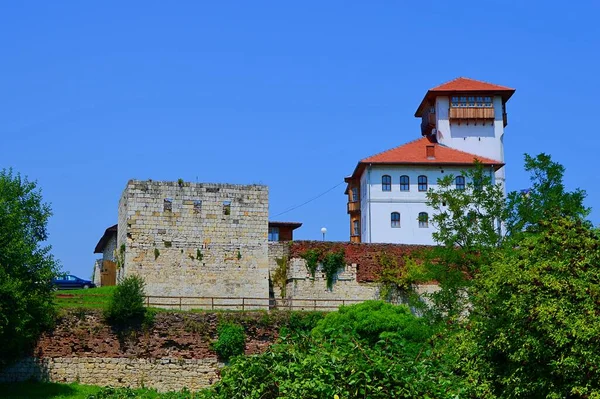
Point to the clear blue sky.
(287, 94)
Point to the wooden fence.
(211, 303)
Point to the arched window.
(422, 183)
(460, 182)
(423, 220)
(386, 183)
(395, 218)
(404, 183)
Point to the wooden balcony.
(353, 207)
(427, 123)
(472, 113)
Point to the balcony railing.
(353, 206)
(471, 113)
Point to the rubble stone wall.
(196, 239)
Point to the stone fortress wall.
(195, 239)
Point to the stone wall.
(356, 282)
(175, 352)
(160, 374)
(196, 239)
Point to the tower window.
(167, 204)
(395, 219)
(422, 183)
(404, 183)
(226, 207)
(459, 182)
(197, 206)
(386, 183)
(423, 220)
(355, 194)
(471, 101)
(355, 228)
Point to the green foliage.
(46, 390)
(26, 266)
(331, 264)
(239, 255)
(180, 182)
(381, 357)
(231, 340)
(534, 324)
(311, 256)
(156, 253)
(546, 198)
(127, 302)
(199, 255)
(468, 220)
(280, 275)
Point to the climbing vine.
(311, 256)
(280, 275)
(331, 264)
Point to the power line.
(310, 200)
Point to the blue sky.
(287, 94)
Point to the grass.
(51, 390)
(93, 298)
(46, 390)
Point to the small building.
(282, 231)
(105, 268)
(461, 121)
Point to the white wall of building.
(378, 205)
(486, 139)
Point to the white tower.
(467, 115)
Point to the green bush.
(127, 302)
(231, 341)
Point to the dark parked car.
(68, 282)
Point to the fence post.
(212, 303)
(315, 306)
(148, 301)
(179, 303)
(243, 304)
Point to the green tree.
(126, 305)
(533, 328)
(26, 266)
(546, 198)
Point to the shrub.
(231, 341)
(127, 301)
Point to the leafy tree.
(468, 220)
(26, 265)
(546, 198)
(534, 325)
(126, 305)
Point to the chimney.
(430, 152)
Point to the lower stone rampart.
(165, 374)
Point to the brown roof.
(293, 225)
(415, 153)
(465, 85)
(104, 239)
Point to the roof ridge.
(391, 149)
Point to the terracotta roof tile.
(415, 153)
(466, 84)
(463, 85)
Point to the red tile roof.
(415, 153)
(464, 85)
